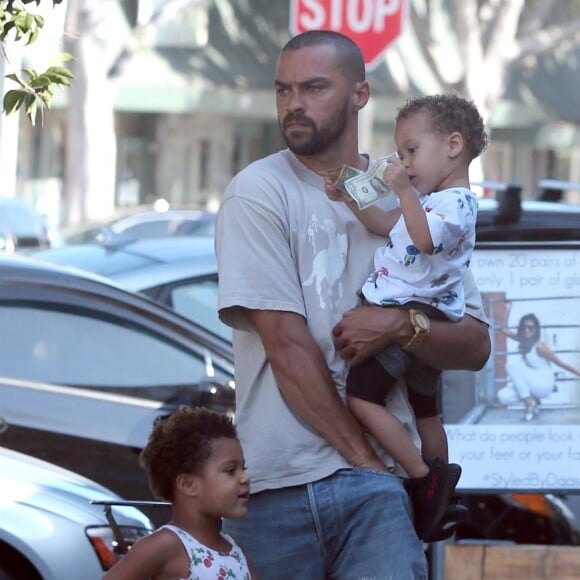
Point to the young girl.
(194, 460)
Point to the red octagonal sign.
(372, 24)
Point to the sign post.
(372, 24)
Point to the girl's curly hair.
(181, 443)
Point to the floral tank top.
(208, 564)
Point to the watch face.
(421, 320)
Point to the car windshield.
(196, 300)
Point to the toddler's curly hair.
(449, 113)
(181, 443)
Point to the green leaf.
(13, 100)
(62, 57)
(58, 74)
(15, 78)
(20, 20)
(32, 36)
(31, 107)
(28, 21)
(42, 81)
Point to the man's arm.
(366, 330)
(305, 382)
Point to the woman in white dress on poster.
(531, 373)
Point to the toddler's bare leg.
(391, 434)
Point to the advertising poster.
(515, 425)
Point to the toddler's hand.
(395, 176)
(333, 192)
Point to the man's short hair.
(349, 54)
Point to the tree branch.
(504, 27)
(422, 28)
(160, 16)
(465, 21)
(542, 41)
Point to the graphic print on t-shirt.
(329, 250)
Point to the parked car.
(157, 224)
(508, 219)
(22, 228)
(180, 272)
(49, 530)
(86, 367)
(142, 225)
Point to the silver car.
(49, 530)
(178, 271)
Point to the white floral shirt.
(403, 273)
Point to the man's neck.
(324, 163)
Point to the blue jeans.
(353, 525)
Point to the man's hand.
(366, 330)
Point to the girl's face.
(224, 486)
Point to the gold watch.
(422, 327)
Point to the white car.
(50, 530)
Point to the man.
(324, 504)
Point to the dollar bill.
(334, 173)
(340, 174)
(368, 187)
(347, 172)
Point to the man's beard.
(321, 138)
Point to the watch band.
(416, 340)
(421, 331)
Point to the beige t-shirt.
(282, 244)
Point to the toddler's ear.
(455, 145)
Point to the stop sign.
(372, 24)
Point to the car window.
(84, 350)
(202, 228)
(150, 229)
(198, 302)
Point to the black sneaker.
(455, 513)
(431, 495)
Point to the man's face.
(312, 99)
